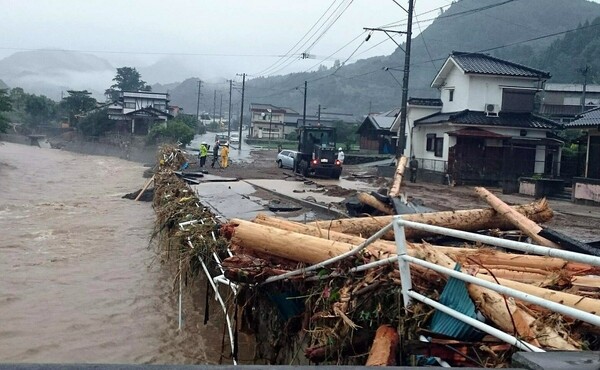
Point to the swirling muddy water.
(79, 281)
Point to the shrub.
(175, 131)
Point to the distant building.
(563, 102)
(137, 111)
(376, 132)
(270, 121)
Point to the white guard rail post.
(404, 259)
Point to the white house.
(137, 111)
(267, 121)
(485, 129)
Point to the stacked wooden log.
(271, 246)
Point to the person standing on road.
(414, 166)
(215, 154)
(203, 153)
(341, 155)
(225, 155)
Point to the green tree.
(40, 109)
(18, 97)
(188, 119)
(127, 79)
(96, 123)
(174, 131)
(77, 103)
(5, 106)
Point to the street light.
(270, 123)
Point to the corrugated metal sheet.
(456, 296)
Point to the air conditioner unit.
(492, 110)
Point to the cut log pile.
(353, 299)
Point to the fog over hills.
(467, 25)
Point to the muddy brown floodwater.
(78, 279)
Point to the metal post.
(304, 109)
(270, 124)
(242, 110)
(221, 111)
(229, 114)
(319, 116)
(198, 103)
(214, 106)
(402, 264)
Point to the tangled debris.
(341, 313)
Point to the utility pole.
(229, 114)
(198, 103)
(319, 116)
(584, 71)
(401, 144)
(214, 106)
(221, 111)
(242, 110)
(304, 109)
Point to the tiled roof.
(590, 118)
(425, 102)
(258, 107)
(560, 110)
(467, 117)
(479, 63)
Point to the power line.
(302, 38)
(299, 48)
(319, 37)
(330, 25)
(141, 52)
(437, 59)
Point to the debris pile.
(333, 291)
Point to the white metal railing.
(213, 281)
(404, 260)
(407, 292)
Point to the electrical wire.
(300, 48)
(319, 37)
(300, 40)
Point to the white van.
(234, 138)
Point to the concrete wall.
(586, 191)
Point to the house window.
(130, 105)
(439, 146)
(430, 145)
(451, 95)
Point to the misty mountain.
(499, 27)
(50, 72)
(167, 70)
(3, 85)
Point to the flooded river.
(78, 279)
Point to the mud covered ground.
(579, 221)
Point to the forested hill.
(467, 25)
(567, 57)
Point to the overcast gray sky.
(229, 36)
(212, 38)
